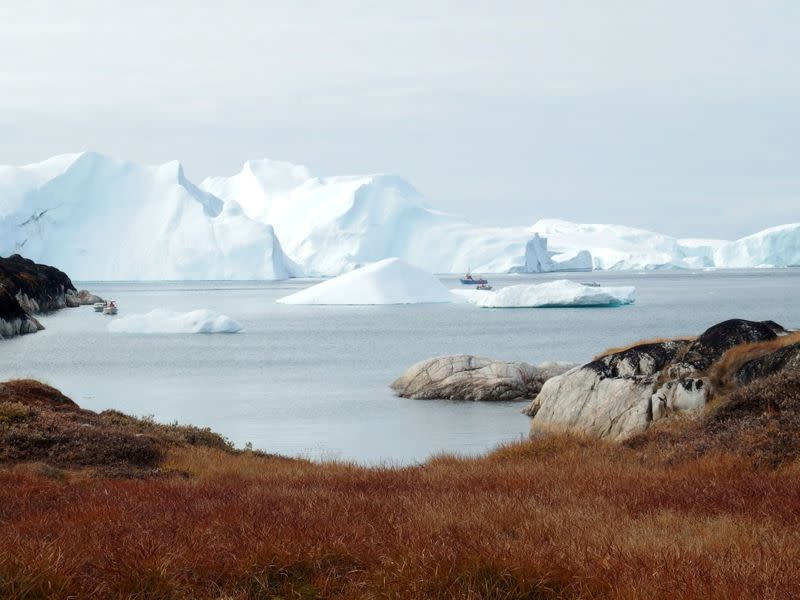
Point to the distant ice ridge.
(561, 292)
(330, 225)
(99, 218)
(389, 281)
(629, 248)
(166, 321)
(773, 247)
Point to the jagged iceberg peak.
(329, 225)
(99, 217)
(265, 187)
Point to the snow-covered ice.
(773, 247)
(161, 320)
(561, 292)
(628, 248)
(389, 281)
(99, 218)
(330, 225)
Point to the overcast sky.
(682, 117)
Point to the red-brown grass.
(532, 521)
(556, 517)
(38, 423)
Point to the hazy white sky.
(683, 117)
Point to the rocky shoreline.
(622, 392)
(28, 289)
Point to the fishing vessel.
(468, 279)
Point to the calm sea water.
(313, 380)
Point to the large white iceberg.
(773, 247)
(166, 321)
(330, 225)
(561, 292)
(105, 219)
(389, 281)
(98, 218)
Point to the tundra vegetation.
(110, 506)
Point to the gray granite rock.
(620, 394)
(467, 377)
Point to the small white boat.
(110, 308)
(99, 306)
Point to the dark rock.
(14, 320)
(86, 298)
(38, 288)
(642, 360)
(782, 360)
(716, 340)
(28, 288)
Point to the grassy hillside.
(704, 507)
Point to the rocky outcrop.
(28, 288)
(13, 319)
(86, 298)
(621, 394)
(715, 341)
(608, 397)
(37, 288)
(786, 359)
(467, 377)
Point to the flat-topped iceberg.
(388, 281)
(561, 292)
(167, 321)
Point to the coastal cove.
(314, 380)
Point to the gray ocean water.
(313, 380)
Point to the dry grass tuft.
(723, 371)
(758, 422)
(547, 445)
(208, 461)
(34, 393)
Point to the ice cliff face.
(101, 218)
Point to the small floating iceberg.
(389, 281)
(167, 321)
(561, 292)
